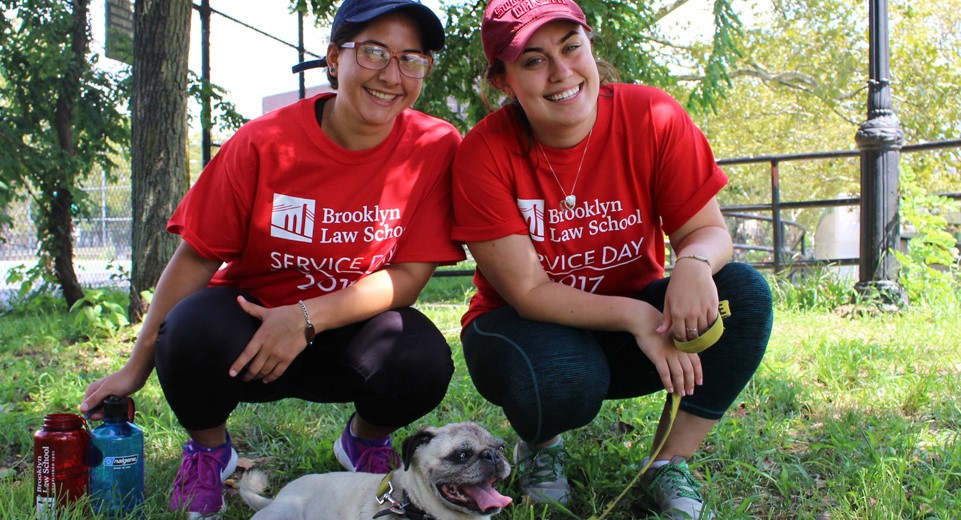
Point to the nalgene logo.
(116, 462)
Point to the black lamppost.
(880, 139)
(206, 117)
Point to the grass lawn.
(849, 417)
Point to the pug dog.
(448, 473)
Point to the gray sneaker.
(674, 491)
(541, 473)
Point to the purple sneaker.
(199, 485)
(365, 456)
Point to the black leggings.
(394, 367)
(550, 378)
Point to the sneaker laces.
(544, 465)
(676, 480)
(199, 471)
(377, 459)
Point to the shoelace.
(201, 470)
(377, 460)
(542, 465)
(678, 480)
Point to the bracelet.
(309, 332)
(699, 258)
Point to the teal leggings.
(552, 378)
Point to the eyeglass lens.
(375, 57)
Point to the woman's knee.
(551, 407)
(409, 338)
(561, 398)
(405, 351)
(548, 378)
(203, 327)
(747, 328)
(745, 282)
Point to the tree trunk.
(59, 222)
(159, 169)
(59, 243)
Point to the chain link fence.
(101, 239)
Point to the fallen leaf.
(245, 464)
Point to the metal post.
(776, 216)
(205, 109)
(302, 88)
(103, 207)
(880, 139)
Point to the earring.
(332, 70)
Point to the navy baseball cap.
(362, 11)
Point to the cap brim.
(517, 44)
(312, 64)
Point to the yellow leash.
(696, 345)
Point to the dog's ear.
(412, 443)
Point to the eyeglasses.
(376, 57)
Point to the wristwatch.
(309, 332)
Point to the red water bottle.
(59, 451)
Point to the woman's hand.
(280, 338)
(703, 245)
(679, 371)
(275, 345)
(121, 383)
(690, 305)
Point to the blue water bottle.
(116, 471)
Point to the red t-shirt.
(647, 170)
(294, 215)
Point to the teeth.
(567, 94)
(381, 95)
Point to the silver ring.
(691, 330)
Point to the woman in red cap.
(329, 217)
(563, 196)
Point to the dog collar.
(405, 508)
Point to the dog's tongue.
(486, 496)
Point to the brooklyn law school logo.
(533, 212)
(292, 218)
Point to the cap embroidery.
(519, 8)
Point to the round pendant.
(569, 202)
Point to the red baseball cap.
(508, 24)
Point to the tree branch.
(790, 79)
(668, 9)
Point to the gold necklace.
(569, 200)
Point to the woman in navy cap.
(305, 242)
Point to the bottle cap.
(115, 408)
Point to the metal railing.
(786, 253)
(776, 207)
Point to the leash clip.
(386, 497)
(387, 488)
